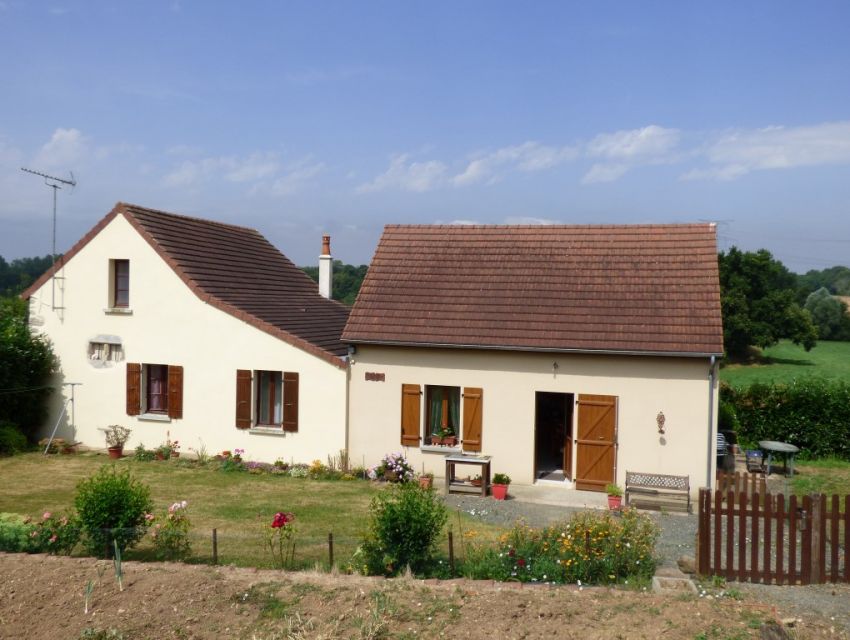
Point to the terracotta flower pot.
(159, 455)
(499, 491)
(614, 502)
(426, 482)
(115, 453)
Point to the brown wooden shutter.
(472, 425)
(290, 401)
(134, 388)
(175, 391)
(243, 399)
(411, 400)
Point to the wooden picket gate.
(773, 540)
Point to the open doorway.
(553, 436)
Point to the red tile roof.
(240, 272)
(635, 289)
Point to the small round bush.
(405, 524)
(12, 439)
(112, 506)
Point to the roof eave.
(481, 347)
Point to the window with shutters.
(154, 391)
(267, 399)
(452, 416)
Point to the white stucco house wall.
(194, 330)
(568, 354)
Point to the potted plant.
(615, 496)
(500, 485)
(116, 438)
(476, 480)
(426, 480)
(446, 437)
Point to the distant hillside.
(346, 281)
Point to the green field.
(786, 361)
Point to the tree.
(21, 273)
(27, 363)
(829, 315)
(758, 302)
(346, 280)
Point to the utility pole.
(54, 183)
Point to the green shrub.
(811, 413)
(112, 505)
(592, 547)
(143, 455)
(54, 534)
(405, 524)
(14, 533)
(170, 532)
(12, 439)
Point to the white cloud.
(192, 172)
(604, 173)
(633, 144)
(66, 147)
(529, 220)
(737, 153)
(529, 156)
(407, 176)
(298, 178)
(255, 167)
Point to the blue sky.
(303, 118)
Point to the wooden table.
(771, 446)
(453, 485)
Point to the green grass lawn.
(786, 361)
(228, 502)
(828, 476)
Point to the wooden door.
(596, 442)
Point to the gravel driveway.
(678, 534)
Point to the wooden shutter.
(243, 399)
(134, 388)
(290, 401)
(411, 400)
(596, 455)
(175, 391)
(472, 425)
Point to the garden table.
(459, 486)
(787, 450)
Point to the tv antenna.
(54, 183)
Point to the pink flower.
(282, 519)
(149, 516)
(53, 538)
(46, 515)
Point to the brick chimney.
(325, 268)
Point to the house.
(196, 331)
(568, 354)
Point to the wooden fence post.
(451, 554)
(331, 550)
(215, 546)
(817, 541)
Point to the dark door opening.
(553, 436)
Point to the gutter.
(486, 347)
(712, 438)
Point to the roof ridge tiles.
(180, 216)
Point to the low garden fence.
(773, 539)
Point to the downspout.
(712, 442)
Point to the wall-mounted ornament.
(660, 419)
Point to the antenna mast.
(54, 183)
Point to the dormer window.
(121, 283)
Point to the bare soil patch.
(42, 597)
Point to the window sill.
(154, 417)
(118, 311)
(438, 448)
(267, 431)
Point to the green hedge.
(812, 413)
